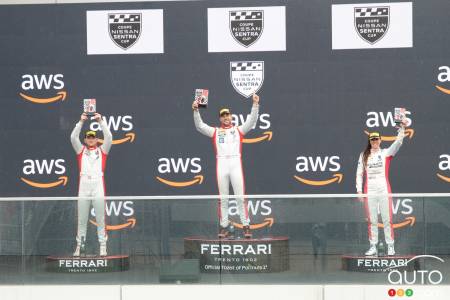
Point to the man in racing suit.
(91, 164)
(227, 140)
(375, 172)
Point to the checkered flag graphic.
(247, 66)
(246, 15)
(124, 18)
(372, 11)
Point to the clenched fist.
(83, 117)
(255, 99)
(195, 105)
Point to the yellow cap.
(224, 111)
(90, 133)
(374, 135)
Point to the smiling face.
(225, 119)
(375, 143)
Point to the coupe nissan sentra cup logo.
(371, 23)
(125, 29)
(246, 26)
(247, 78)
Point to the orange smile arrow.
(408, 221)
(197, 179)
(337, 177)
(61, 180)
(130, 223)
(128, 137)
(445, 178)
(443, 90)
(268, 222)
(267, 135)
(409, 132)
(60, 96)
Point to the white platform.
(219, 292)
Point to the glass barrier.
(296, 240)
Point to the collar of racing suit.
(374, 150)
(225, 127)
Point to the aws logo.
(257, 209)
(402, 209)
(122, 209)
(263, 123)
(443, 77)
(386, 119)
(44, 168)
(117, 123)
(444, 165)
(306, 164)
(43, 88)
(172, 167)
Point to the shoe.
(247, 232)
(223, 233)
(372, 251)
(391, 250)
(103, 251)
(77, 251)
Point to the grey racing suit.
(91, 164)
(228, 145)
(377, 187)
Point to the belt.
(88, 176)
(229, 156)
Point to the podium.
(355, 263)
(264, 255)
(88, 264)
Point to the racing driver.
(227, 140)
(91, 164)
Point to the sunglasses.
(374, 139)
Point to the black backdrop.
(318, 99)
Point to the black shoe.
(247, 232)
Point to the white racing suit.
(91, 164)
(228, 145)
(377, 186)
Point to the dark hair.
(366, 153)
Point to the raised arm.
(199, 125)
(253, 118)
(75, 135)
(395, 146)
(107, 136)
(360, 174)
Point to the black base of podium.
(88, 264)
(266, 255)
(379, 264)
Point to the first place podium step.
(264, 255)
